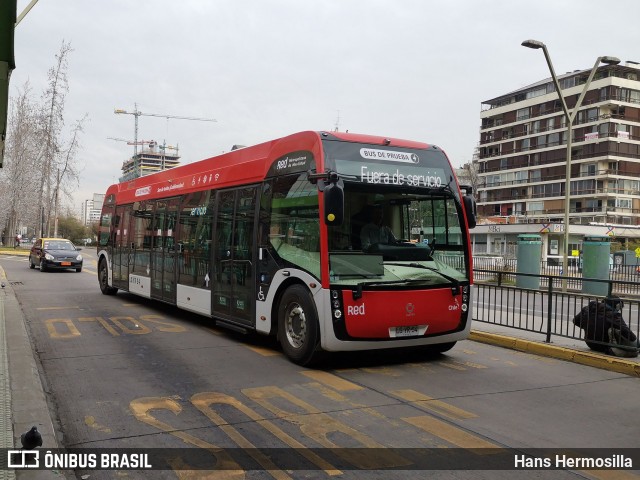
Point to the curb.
(590, 359)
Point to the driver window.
(294, 231)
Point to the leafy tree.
(69, 226)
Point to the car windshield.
(58, 245)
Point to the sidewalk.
(561, 348)
(23, 402)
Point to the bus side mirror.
(470, 209)
(333, 204)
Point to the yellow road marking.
(323, 428)
(331, 380)
(452, 365)
(53, 332)
(451, 434)
(204, 402)
(265, 352)
(141, 408)
(102, 322)
(437, 406)
(91, 422)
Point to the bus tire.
(103, 279)
(298, 328)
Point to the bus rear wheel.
(103, 278)
(298, 328)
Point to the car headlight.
(79, 257)
(49, 257)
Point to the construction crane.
(131, 142)
(137, 113)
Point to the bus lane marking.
(327, 381)
(434, 405)
(331, 380)
(138, 327)
(102, 322)
(452, 365)
(165, 326)
(140, 407)
(341, 399)
(72, 331)
(90, 421)
(204, 401)
(265, 352)
(135, 326)
(317, 426)
(454, 435)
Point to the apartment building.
(91, 209)
(521, 161)
(522, 152)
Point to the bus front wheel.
(298, 329)
(103, 278)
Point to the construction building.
(151, 159)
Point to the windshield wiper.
(357, 292)
(455, 290)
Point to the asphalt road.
(125, 372)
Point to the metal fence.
(550, 309)
(625, 279)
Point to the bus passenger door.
(233, 296)
(163, 253)
(121, 248)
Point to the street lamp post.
(570, 117)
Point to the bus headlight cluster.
(336, 304)
(465, 303)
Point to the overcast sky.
(415, 69)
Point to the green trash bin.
(529, 256)
(595, 264)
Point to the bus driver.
(374, 231)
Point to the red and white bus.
(268, 239)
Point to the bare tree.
(66, 170)
(16, 180)
(52, 123)
(472, 177)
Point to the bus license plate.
(410, 331)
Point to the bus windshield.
(402, 220)
(396, 236)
